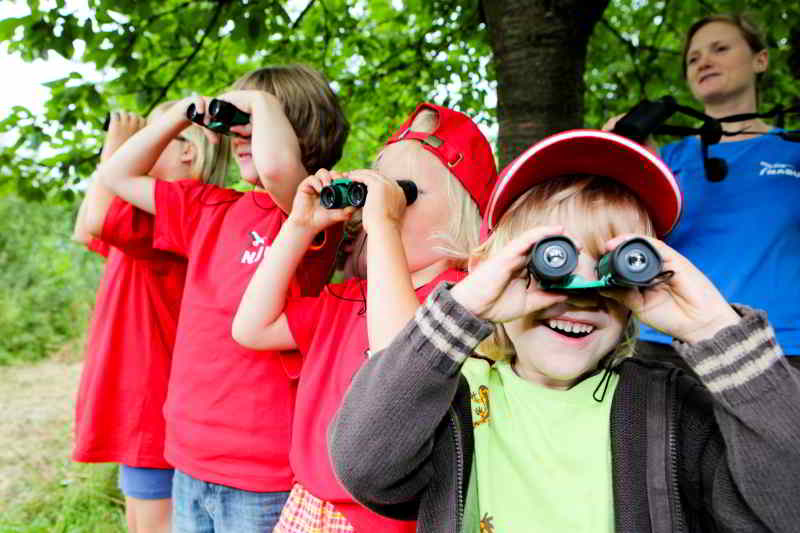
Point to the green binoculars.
(346, 193)
(634, 263)
(222, 116)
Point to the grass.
(70, 498)
(41, 489)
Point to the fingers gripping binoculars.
(345, 193)
(222, 116)
(634, 263)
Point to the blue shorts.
(146, 483)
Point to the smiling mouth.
(707, 77)
(573, 330)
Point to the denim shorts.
(203, 507)
(145, 483)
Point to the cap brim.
(598, 153)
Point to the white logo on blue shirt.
(774, 169)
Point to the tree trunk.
(539, 57)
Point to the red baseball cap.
(599, 153)
(460, 146)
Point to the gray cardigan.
(723, 455)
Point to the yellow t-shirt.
(542, 458)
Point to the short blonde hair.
(463, 232)
(210, 162)
(312, 108)
(592, 208)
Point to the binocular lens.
(553, 259)
(634, 263)
(358, 194)
(330, 197)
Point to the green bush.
(47, 282)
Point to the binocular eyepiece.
(222, 116)
(345, 193)
(634, 263)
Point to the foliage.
(635, 53)
(383, 55)
(46, 281)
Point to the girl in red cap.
(414, 247)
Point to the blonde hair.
(311, 107)
(592, 208)
(210, 162)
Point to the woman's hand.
(498, 288)
(121, 127)
(649, 143)
(386, 202)
(307, 212)
(686, 306)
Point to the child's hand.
(177, 113)
(245, 100)
(385, 203)
(307, 212)
(498, 289)
(121, 126)
(687, 306)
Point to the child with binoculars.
(229, 409)
(447, 162)
(124, 379)
(566, 432)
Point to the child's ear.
(188, 153)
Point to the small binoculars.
(345, 193)
(634, 263)
(222, 116)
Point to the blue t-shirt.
(743, 232)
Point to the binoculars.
(345, 193)
(222, 116)
(634, 263)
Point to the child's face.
(558, 344)
(430, 212)
(243, 154)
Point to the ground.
(36, 408)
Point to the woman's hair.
(592, 208)
(310, 105)
(750, 31)
(210, 164)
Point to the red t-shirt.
(118, 414)
(331, 333)
(98, 246)
(229, 409)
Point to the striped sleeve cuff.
(740, 359)
(451, 332)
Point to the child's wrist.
(300, 228)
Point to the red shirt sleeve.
(98, 246)
(129, 229)
(179, 208)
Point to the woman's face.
(720, 64)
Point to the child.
(124, 379)
(568, 433)
(228, 410)
(446, 156)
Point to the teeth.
(570, 327)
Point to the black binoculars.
(345, 193)
(222, 116)
(634, 263)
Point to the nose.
(585, 268)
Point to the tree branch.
(297, 22)
(197, 48)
